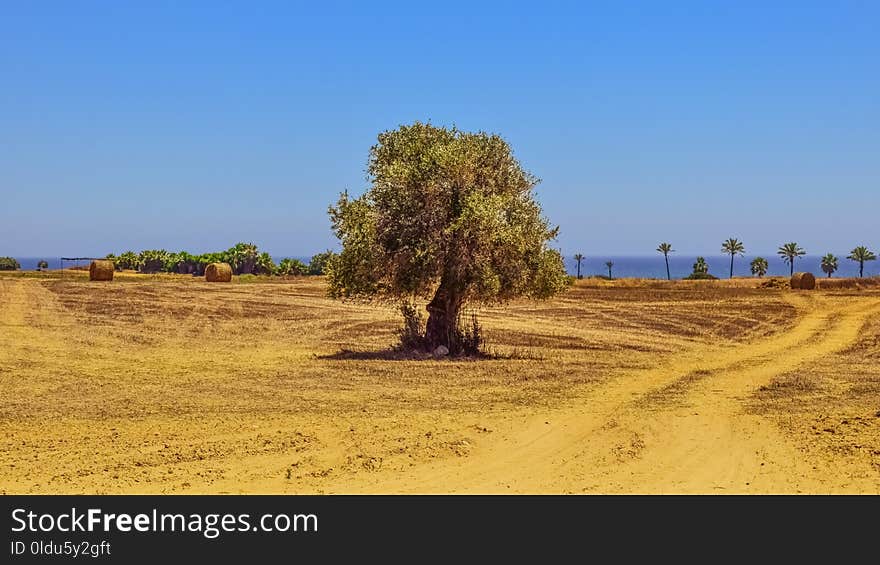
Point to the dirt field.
(169, 384)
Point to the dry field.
(168, 384)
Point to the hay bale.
(803, 281)
(101, 271)
(218, 272)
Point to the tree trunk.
(442, 326)
(731, 265)
(668, 276)
(861, 269)
(579, 269)
(792, 267)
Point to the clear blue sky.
(193, 125)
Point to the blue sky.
(193, 125)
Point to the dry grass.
(166, 383)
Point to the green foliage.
(829, 264)
(43, 264)
(861, 254)
(265, 265)
(789, 252)
(319, 262)
(292, 267)
(470, 336)
(412, 334)
(128, 261)
(9, 264)
(733, 246)
(153, 260)
(579, 257)
(700, 267)
(666, 249)
(444, 206)
(449, 216)
(700, 276)
(701, 271)
(242, 257)
(759, 266)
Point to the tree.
(861, 254)
(829, 264)
(789, 252)
(579, 257)
(666, 249)
(732, 247)
(43, 264)
(264, 264)
(701, 271)
(292, 267)
(449, 216)
(759, 266)
(243, 258)
(9, 264)
(319, 262)
(609, 264)
(152, 260)
(128, 260)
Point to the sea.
(643, 267)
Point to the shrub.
(153, 260)
(319, 262)
(412, 333)
(701, 271)
(9, 264)
(470, 339)
(265, 265)
(700, 276)
(291, 267)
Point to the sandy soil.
(170, 384)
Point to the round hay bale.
(803, 281)
(101, 271)
(218, 272)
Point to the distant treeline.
(9, 264)
(244, 258)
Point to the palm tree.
(609, 264)
(829, 264)
(579, 257)
(42, 265)
(861, 254)
(732, 247)
(701, 267)
(759, 266)
(789, 252)
(666, 249)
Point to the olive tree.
(450, 217)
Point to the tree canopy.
(449, 216)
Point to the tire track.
(619, 439)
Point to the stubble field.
(169, 384)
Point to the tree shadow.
(390, 354)
(396, 354)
